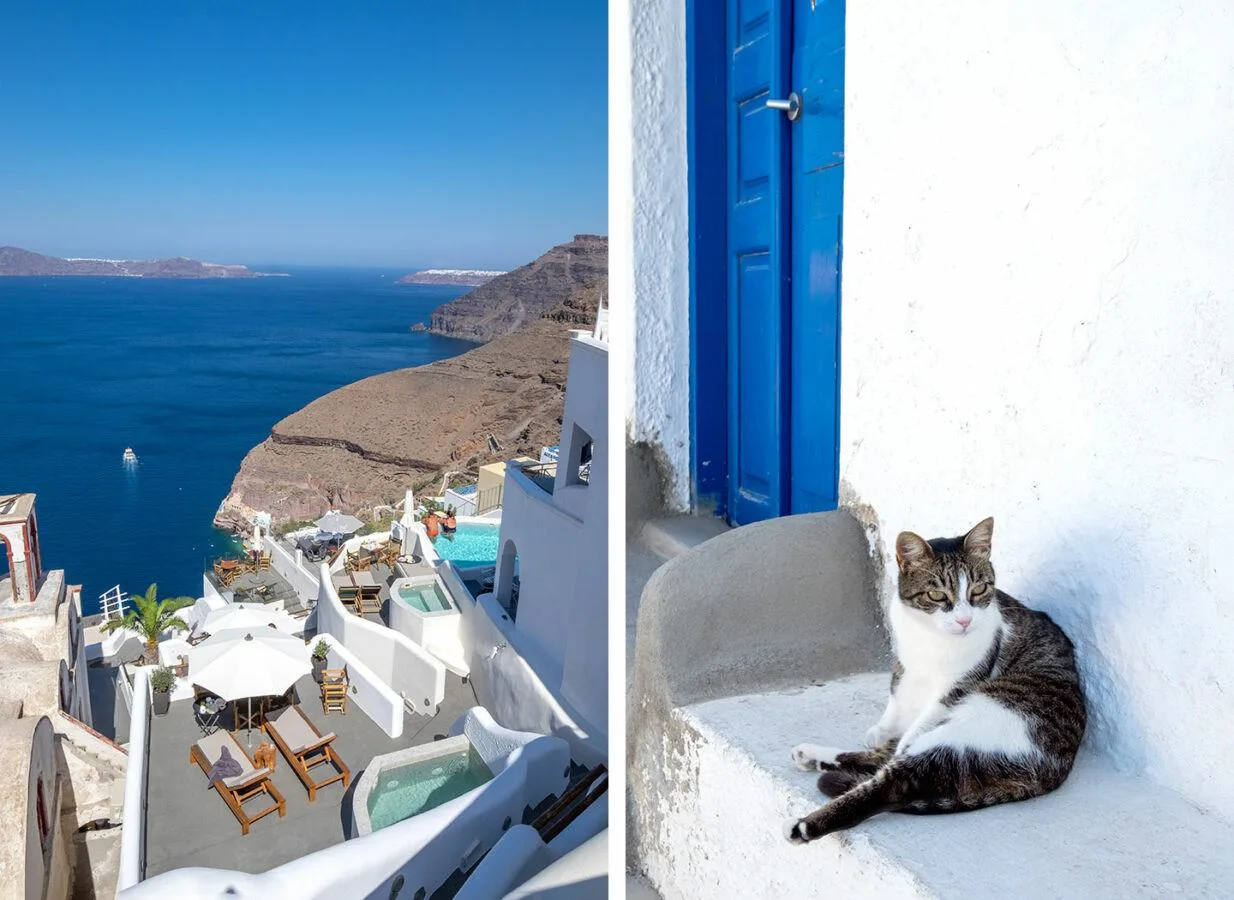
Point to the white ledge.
(1102, 835)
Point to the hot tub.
(421, 608)
(477, 781)
(423, 779)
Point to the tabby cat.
(985, 708)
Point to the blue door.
(817, 200)
(784, 196)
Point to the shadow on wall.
(648, 484)
(1078, 589)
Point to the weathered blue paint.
(757, 259)
(706, 81)
(817, 203)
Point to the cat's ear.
(912, 550)
(978, 540)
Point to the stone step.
(651, 546)
(1101, 835)
(673, 536)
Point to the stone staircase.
(92, 771)
(770, 635)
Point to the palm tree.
(150, 617)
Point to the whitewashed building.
(970, 261)
(551, 589)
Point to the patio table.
(207, 712)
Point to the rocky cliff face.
(510, 300)
(15, 261)
(366, 443)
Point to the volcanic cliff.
(364, 444)
(503, 304)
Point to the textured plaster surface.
(1039, 302)
(726, 617)
(660, 410)
(1102, 835)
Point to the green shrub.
(321, 649)
(161, 680)
(293, 525)
(382, 524)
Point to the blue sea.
(191, 375)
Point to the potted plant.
(161, 681)
(320, 650)
(150, 617)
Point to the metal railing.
(489, 500)
(544, 475)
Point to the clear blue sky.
(467, 133)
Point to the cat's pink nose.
(963, 621)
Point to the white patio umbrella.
(244, 663)
(255, 540)
(338, 522)
(408, 519)
(245, 615)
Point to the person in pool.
(450, 525)
(431, 523)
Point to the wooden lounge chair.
(243, 787)
(263, 561)
(304, 747)
(334, 684)
(368, 599)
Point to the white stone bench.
(766, 637)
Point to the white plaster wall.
(133, 835)
(511, 678)
(584, 680)
(659, 410)
(1038, 324)
(377, 699)
(294, 569)
(410, 670)
(545, 538)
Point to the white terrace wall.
(411, 671)
(1038, 324)
(295, 570)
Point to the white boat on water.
(129, 455)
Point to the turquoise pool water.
(427, 598)
(409, 790)
(471, 545)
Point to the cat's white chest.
(933, 660)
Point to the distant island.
(17, 262)
(464, 277)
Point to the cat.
(986, 705)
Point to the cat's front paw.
(815, 757)
(877, 736)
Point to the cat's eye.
(978, 589)
(938, 595)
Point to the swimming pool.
(428, 598)
(408, 790)
(473, 544)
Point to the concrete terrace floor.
(188, 824)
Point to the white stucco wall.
(654, 122)
(411, 671)
(1038, 324)
(561, 538)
